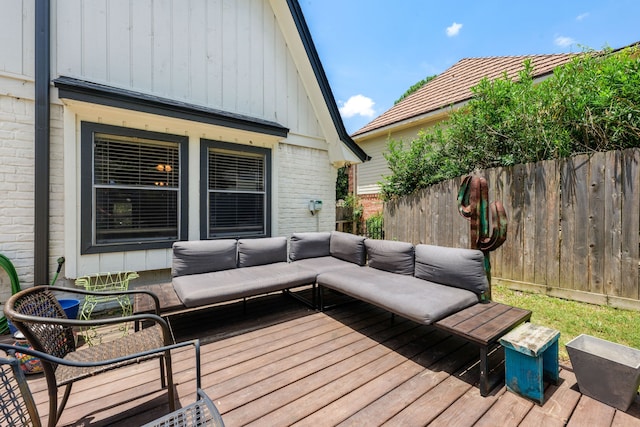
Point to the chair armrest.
(11, 349)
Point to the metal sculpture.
(473, 205)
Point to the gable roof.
(454, 85)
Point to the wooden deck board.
(350, 366)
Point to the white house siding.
(372, 172)
(223, 54)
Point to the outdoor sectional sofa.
(423, 283)
(432, 285)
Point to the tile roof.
(454, 85)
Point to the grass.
(573, 318)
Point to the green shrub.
(590, 104)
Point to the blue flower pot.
(70, 307)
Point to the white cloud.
(357, 105)
(582, 16)
(563, 41)
(454, 29)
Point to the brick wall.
(304, 174)
(16, 188)
(371, 204)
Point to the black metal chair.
(18, 408)
(38, 315)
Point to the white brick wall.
(17, 189)
(304, 174)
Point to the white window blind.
(236, 193)
(136, 189)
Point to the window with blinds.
(136, 189)
(132, 189)
(237, 192)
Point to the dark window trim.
(87, 130)
(95, 93)
(205, 144)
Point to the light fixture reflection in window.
(163, 168)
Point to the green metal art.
(473, 205)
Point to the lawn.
(573, 318)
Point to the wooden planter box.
(605, 371)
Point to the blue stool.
(531, 356)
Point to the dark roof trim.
(95, 93)
(316, 65)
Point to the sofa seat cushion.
(210, 288)
(416, 299)
(324, 264)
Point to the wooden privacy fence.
(574, 225)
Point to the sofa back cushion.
(389, 255)
(261, 251)
(461, 268)
(203, 256)
(348, 247)
(309, 245)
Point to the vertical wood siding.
(224, 54)
(574, 225)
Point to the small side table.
(531, 356)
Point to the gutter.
(42, 141)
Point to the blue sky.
(374, 50)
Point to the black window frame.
(87, 202)
(205, 146)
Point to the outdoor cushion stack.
(423, 283)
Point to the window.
(237, 192)
(132, 189)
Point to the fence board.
(540, 224)
(517, 236)
(553, 222)
(529, 237)
(494, 177)
(612, 225)
(580, 206)
(596, 222)
(630, 242)
(567, 180)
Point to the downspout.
(41, 142)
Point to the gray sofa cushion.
(202, 256)
(261, 251)
(462, 268)
(309, 245)
(323, 264)
(416, 299)
(220, 286)
(348, 247)
(391, 256)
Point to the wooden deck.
(284, 364)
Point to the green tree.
(342, 183)
(415, 87)
(590, 104)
